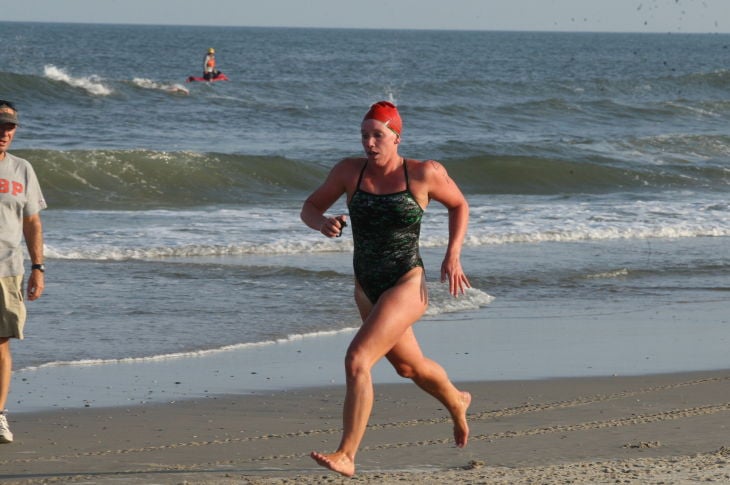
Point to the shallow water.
(595, 165)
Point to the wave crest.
(135, 179)
(91, 84)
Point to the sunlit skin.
(387, 330)
(7, 133)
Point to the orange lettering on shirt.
(13, 188)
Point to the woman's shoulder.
(424, 168)
(349, 164)
(353, 161)
(347, 169)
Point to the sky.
(686, 16)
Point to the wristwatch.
(41, 267)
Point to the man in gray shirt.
(21, 201)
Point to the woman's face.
(379, 142)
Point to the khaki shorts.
(12, 307)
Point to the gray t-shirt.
(20, 196)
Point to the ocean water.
(597, 168)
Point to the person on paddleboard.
(209, 70)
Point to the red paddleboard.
(219, 77)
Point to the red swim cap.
(387, 113)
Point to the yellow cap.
(211, 51)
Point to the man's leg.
(6, 366)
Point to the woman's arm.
(444, 190)
(323, 198)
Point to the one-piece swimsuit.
(386, 229)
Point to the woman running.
(386, 197)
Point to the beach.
(670, 428)
(173, 421)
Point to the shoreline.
(666, 428)
(495, 343)
(642, 406)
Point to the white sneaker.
(5, 435)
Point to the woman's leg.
(408, 360)
(383, 326)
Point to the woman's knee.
(356, 365)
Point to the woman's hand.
(332, 226)
(451, 270)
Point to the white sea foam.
(440, 301)
(602, 234)
(185, 355)
(91, 84)
(150, 84)
(112, 252)
(609, 274)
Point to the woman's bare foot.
(461, 428)
(337, 462)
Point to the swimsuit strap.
(405, 170)
(361, 174)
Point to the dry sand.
(644, 430)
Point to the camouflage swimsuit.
(386, 228)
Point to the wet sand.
(666, 428)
